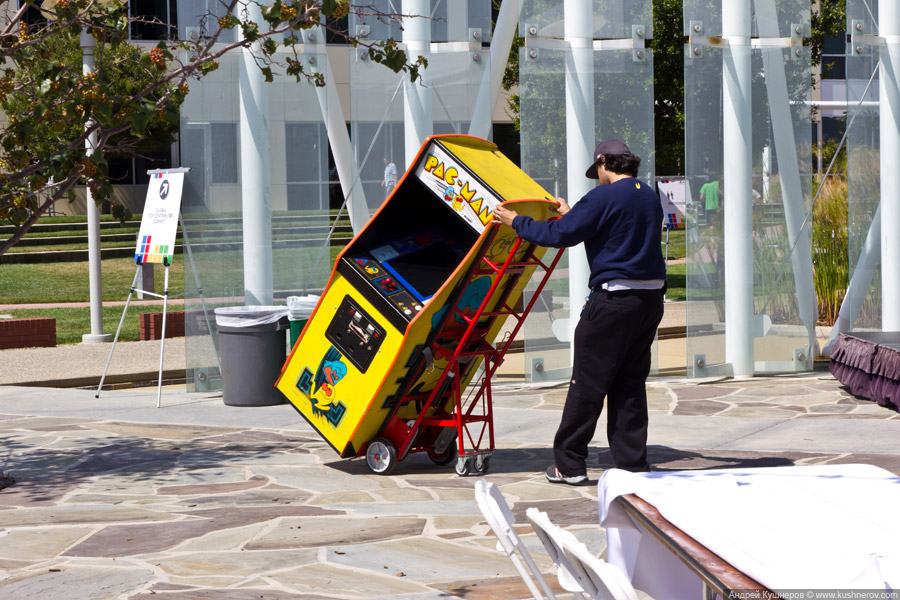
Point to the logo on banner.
(164, 189)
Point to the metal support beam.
(417, 96)
(338, 136)
(489, 92)
(789, 171)
(889, 96)
(580, 134)
(88, 43)
(738, 231)
(256, 197)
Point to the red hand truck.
(449, 413)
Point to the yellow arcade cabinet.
(412, 308)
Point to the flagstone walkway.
(113, 498)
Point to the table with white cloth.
(820, 527)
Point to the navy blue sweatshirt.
(620, 224)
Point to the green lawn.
(68, 282)
(675, 278)
(71, 323)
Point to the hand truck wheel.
(462, 465)
(442, 459)
(482, 463)
(381, 456)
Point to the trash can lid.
(301, 307)
(249, 316)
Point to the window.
(153, 19)
(133, 171)
(33, 15)
(224, 152)
(833, 59)
(306, 159)
(210, 151)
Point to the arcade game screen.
(426, 269)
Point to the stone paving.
(109, 501)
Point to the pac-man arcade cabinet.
(412, 308)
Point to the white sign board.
(457, 187)
(159, 222)
(672, 196)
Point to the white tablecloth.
(810, 527)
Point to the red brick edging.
(151, 325)
(27, 333)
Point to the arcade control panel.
(405, 273)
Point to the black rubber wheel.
(482, 463)
(445, 458)
(381, 456)
(462, 466)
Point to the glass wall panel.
(784, 314)
(613, 19)
(863, 169)
(707, 14)
(299, 177)
(451, 20)
(704, 163)
(377, 111)
(542, 105)
(623, 103)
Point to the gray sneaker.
(554, 476)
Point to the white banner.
(159, 222)
(457, 187)
(672, 196)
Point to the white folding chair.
(578, 568)
(501, 520)
(551, 537)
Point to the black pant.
(612, 360)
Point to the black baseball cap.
(612, 146)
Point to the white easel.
(165, 295)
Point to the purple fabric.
(854, 352)
(857, 381)
(885, 392)
(868, 370)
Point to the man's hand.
(504, 216)
(563, 206)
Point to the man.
(390, 176)
(709, 200)
(620, 223)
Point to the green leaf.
(267, 71)
(329, 6)
(250, 31)
(139, 122)
(105, 111)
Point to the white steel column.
(580, 134)
(789, 169)
(501, 42)
(418, 122)
(737, 200)
(889, 95)
(256, 198)
(338, 136)
(93, 219)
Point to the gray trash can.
(252, 349)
